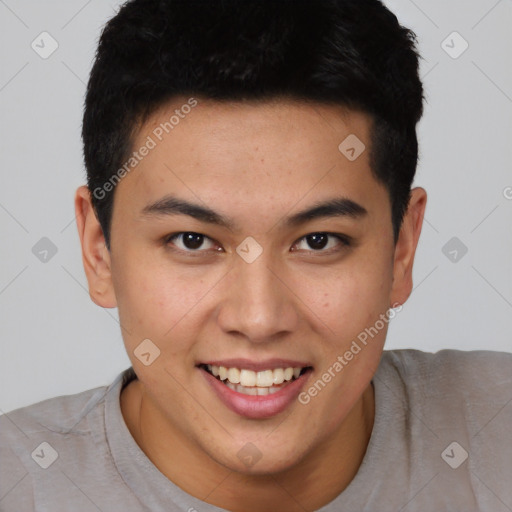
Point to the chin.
(259, 458)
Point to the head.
(248, 109)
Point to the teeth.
(247, 378)
(278, 376)
(255, 390)
(260, 381)
(265, 378)
(234, 375)
(288, 374)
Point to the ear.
(406, 247)
(95, 255)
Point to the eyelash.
(344, 239)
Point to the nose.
(258, 304)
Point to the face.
(241, 281)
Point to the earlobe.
(406, 246)
(95, 255)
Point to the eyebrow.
(336, 207)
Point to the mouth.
(250, 382)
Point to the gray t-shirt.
(442, 441)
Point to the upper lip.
(257, 366)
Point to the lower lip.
(254, 406)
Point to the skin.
(255, 163)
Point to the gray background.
(56, 341)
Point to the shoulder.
(465, 394)
(37, 441)
(477, 373)
(47, 424)
(59, 414)
(47, 447)
(66, 414)
(452, 412)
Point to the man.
(249, 212)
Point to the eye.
(319, 241)
(189, 241)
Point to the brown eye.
(189, 241)
(317, 242)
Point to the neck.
(312, 483)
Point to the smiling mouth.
(248, 382)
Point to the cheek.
(158, 301)
(360, 322)
(145, 294)
(353, 298)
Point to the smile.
(257, 393)
(249, 382)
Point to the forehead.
(276, 153)
(278, 126)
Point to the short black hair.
(352, 53)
